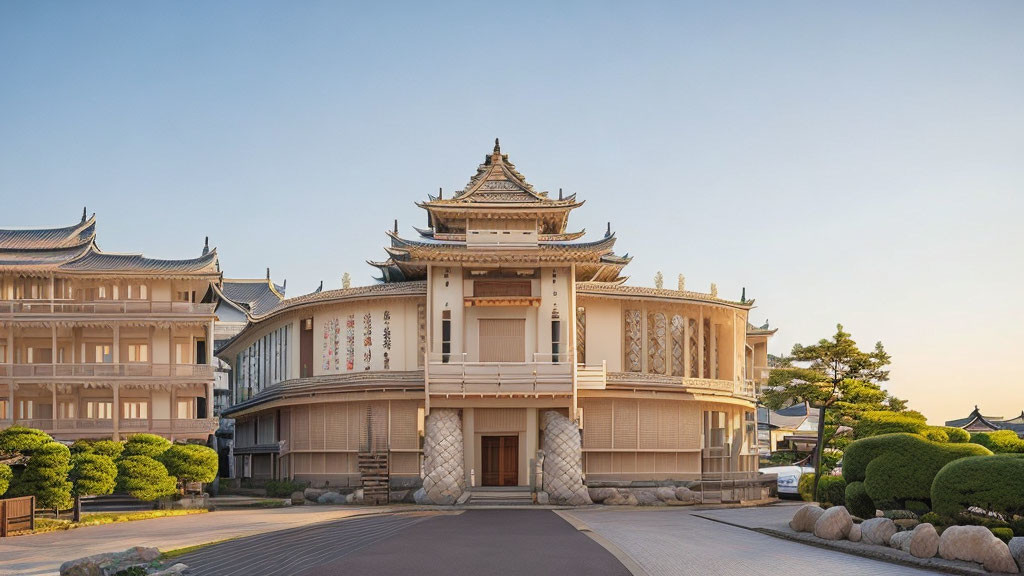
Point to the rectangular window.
(25, 409)
(67, 410)
(556, 337)
(104, 354)
(138, 352)
(138, 410)
(714, 426)
(3, 410)
(185, 410)
(114, 291)
(101, 292)
(446, 335)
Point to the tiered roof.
(253, 296)
(975, 422)
(73, 250)
(499, 192)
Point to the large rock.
(444, 478)
(901, 541)
(996, 557)
(298, 498)
(906, 523)
(684, 494)
(622, 499)
(924, 541)
(312, 494)
(855, 534)
(331, 498)
(1016, 547)
(647, 498)
(563, 461)
(964, 543)
(805, 517)
(178, 569)
(601, 494)
(109, 563)
(877, 531)
(543, 498)
(833, 524)
(666, 494)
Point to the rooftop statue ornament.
(346, 281)
(396, 226)
(765, 326)
(206, 246)
(682, 283)
(714, 290)
(497, 146)
(743, 296)
(268, 273)
(83, 213)
(608, 232)
(560, 194)
(659, 280)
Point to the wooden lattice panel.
(405, 463)
(625, 424)
(581, 335)
(597, 423)
(694, 347)
(336, 435)
(404, 429)
(300, 426)
(487, 420)
(316, 427)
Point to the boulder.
(313, 494)
(420, 497)
(964, 543)
(110, 563)
(924, 541)
(178, 569)
(350, 498)
(906, 523)
(684, 494)
(877, 531)
(298, 498)
(665, 494)
(1016, 547)
(601, 494)
(833, 524)
(996, 557)
(647, 498)
(901, 541)
(622, 499)
(805, 518)
(543, 498)
(330, 498)
(854, 535)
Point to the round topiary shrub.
(957, 435)
(110, 448)
(993, 483)
(1004, 534)
(144, 478)
(917, 507)
(805, 487)
(46, 477)
(858, 502)
(21, 440)
(149, 445)
(876, 423)
(935, 434)
(190, 463)
(832, 490)
(5, 478)
(92, 474)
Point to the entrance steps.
(500, 496)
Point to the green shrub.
(900, 515)
(1017, 525)
(81, 446)
(832, 489)
(992, 483)
(149, 445)
(190, 462)
(144, 478)
(806, 487)
(1000, 441)
(957, 435)
(283, 488)
(900, 467)
(21, 440)
(880, 422)
(110, 448)
(858, 502)
(5, 478)
(1004, 534)
(917, 507)
(92, 474)
(937, 520)
(935, 434)
(46, 477)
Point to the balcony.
(460, 377)
(501, 238)
(134, 371)
(101, 307)
(106, 426)
(592, 376)
(745, 389)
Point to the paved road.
(674, 542)
(44, 553)
(475, 542)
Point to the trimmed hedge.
(1004, 534)
(283, 488)
(832, 490)
(5, 478)
(190, 462)
(93, 474)
(1000, 441)
(876, 423)
(935, 434)
(21, 440)
(110, 448)
(46, 477)
(993, 483)
(899, 467)
(858, 502)
(805, 487)
(144, 478)
(957, 435)
(149, 445)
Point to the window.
(137, 292)
(3, 410)
(99, 410)
(184, 296)
(25, 409)
(138, 352)
(185, 410)
(714, 426)
(104, 354)
(446, 335)
(67, 410)
(556, 337)
(136, 409)
(114, 291)
(101, 292)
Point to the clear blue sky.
(857, 162)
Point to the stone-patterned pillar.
(443, 469)
(563, 461)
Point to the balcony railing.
(107, 370)
(747, 389)
(460, 376)
(592, 377)
(58, 306)
(124, 425)
(501, 238)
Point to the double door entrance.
(499, 460)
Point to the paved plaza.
(310, 541)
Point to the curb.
(625, 559)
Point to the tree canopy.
(149, 445)
(144, 478)
(190, 463)
(5, 478)
(20, 441)
(92, 474)
(46, 477)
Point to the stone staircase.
(500, 496)
(374, 476)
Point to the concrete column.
(209, 344)
(469, 446)
(209, 399)
(116, 412)
(686, 347)
(700, 343)
(531, 445)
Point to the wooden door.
(500, 460)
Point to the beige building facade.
(495, 315)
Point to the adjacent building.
(975, 422)
(104, 344)
(495, 318)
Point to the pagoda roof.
(762, 330)
(457, 237)
(976, 420)
(73, 250)
(253, 296)
(623, 291)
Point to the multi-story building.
(495, 317)
(102, 344)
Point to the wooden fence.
(17, 514)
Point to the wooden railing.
(124, 425)
(17, 514)
(459, 376)
(501, 238)
(107, 370)
(592, 377)
(58, 306)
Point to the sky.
(858, 163)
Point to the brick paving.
(675, 542)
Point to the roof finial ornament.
(440, 193)
(396, 226)
(608, 232)
(346, 281)
(268, 273)
(682, 283)
(83, 213)
(284, 285)
(497, 146)
(321, 288)
(714, 290)
(659, 280)
(743, 297)
(559, 193)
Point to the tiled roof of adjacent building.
(49, 238)
(254, 296)
(976, 422)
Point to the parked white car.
(789, 477)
